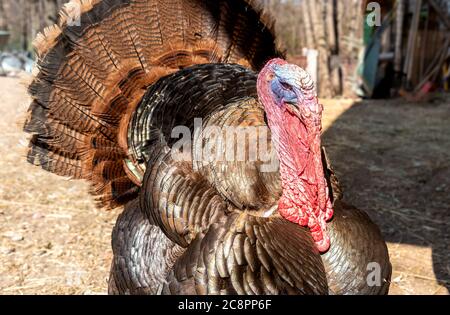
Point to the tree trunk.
(42, 14)
(25, 5)
(56, 7)
(324, 84)
(309, 32)
(337, 48)
(3, 20)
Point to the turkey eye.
(286, 86)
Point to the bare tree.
(309, 38)
(318, 22)
(42, 12)
(3, 18)
(25, 5)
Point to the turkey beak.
(292, 104)
(283, 93)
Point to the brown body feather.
(219, 211)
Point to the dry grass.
(54, 241)
(52, 238)
(393, 159)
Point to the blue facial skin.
(283, 87)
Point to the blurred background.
(373, 49)
(382, 70)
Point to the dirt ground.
(393, 159)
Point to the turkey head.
(294, 118)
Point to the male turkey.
(110, 92)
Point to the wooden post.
(337, 49)
(441, 13)
(423, 42)
(409, 63)
(399, 35)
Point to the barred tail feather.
(94, 72)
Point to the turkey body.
(124, 101)
(216, 211)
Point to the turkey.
(139, 98)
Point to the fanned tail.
(97, 63)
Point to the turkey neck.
(296, 137)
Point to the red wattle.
(315, 221)
(305, 198)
